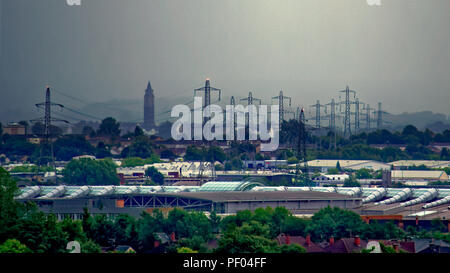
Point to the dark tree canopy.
(109, 127)
(155, 175)
(86, 171)
(69, 146)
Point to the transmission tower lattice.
(317, 106)
(207, 97)
(301, 147)
(347, 122)
(47, 119)
(282, 110)
(250, 99)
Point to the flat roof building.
(432, 164)
(323, 165)
(401, 175)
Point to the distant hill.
(422, 120)
(131, 110)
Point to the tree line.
(358, 146)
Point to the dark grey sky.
(107, 49)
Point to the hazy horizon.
(104, 50)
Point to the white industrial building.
(172, 169)
(331, 179)
(402, 175)
(323, 165)
(431, 164)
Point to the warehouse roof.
(419, 174)
(228, 186)
(427, 163)
(350, 164)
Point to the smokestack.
(331, 240)
(308, 240)
(357, 241)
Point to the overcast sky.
(398, 53)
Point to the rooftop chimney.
(331, 240)
(308, 240)
(357, 241)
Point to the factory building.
(224, 197)
(331, 179)
(401, 176)
(323, 165)
(399, 204)
(431, 164)
(15, 129)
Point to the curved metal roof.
(229, 186)
(381, 196)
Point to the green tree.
(9, 208)
(338, 166)
(188, 224)
(333, 171)
(142, 147)
(147, 226)
(137, 161)
(13, 246)
(109, 127)
(40, 232)
(335, 222)
(38, 128)
(194, 154)
(186, 250)
(102, 230)
(155, 175)
(196, 243)
(251, 237)
(102, 151)
(386, 249)
(86, 171)
(88, 131)
(295, 226)
(125, 231)
(363, 174)
(215, 153)
(138, 131)
(73, 230)
(90, 246)
(351, 182)
(292, 248)
(167, 154)
(292, 160)
(215, 221)
(17, 146)
(69, 146)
